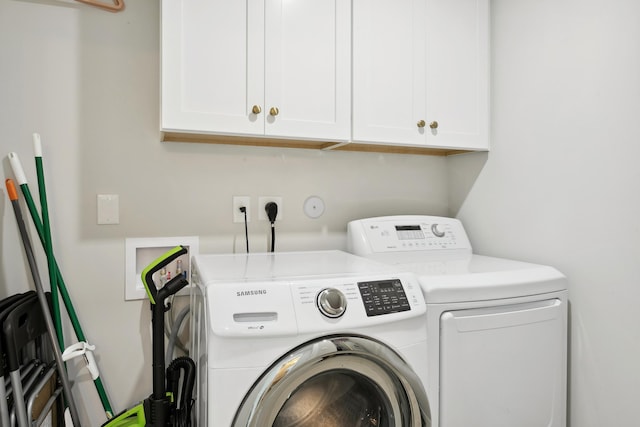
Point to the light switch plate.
(108, 209)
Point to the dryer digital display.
(409, 232)
(383, 297)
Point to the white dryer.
(497, 328)
(307, 339)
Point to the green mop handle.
(48, 243)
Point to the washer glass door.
(336, 398)
(337, 381)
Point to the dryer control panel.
(406, 233)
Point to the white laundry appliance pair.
(496, 328)
(307, 339)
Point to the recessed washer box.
(140, 252)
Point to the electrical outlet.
(262, 202)
(238, 202)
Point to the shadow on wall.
(463, 171)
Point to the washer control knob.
(331, 302)
(437, 230)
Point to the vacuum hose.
(185, 367)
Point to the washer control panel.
(383, 297)
(356, 302)
(406, 233)
(294, 306)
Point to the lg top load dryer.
(496, 328)
(307, 339)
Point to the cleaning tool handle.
(11, 190)
(17, 168)
(48, 243)
(159, 263)
(37, 145)
(172, 287)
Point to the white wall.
(87, 81)
(561, 184)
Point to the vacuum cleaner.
(169, 404)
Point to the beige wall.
(88, 81)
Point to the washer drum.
(337, 381)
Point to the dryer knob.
(437, 230)
(331, 302)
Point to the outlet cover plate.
(237, 203)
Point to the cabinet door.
(307, 68)
(389, 71)
(458, 73)
(212, 65)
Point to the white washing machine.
(307, 339)
(496, 328)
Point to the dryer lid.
(480, 278)
(458, 278)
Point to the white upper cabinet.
(421, 73)
(273, 68)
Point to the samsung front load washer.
(496, 328)
(309, 339)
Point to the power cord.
(243, 209)
(272, 212)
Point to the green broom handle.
(48, 244)
(35, 216)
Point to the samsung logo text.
(252, 292)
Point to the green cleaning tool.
(48, 244)
(21, 178)
(166, 406)
(62, 373)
